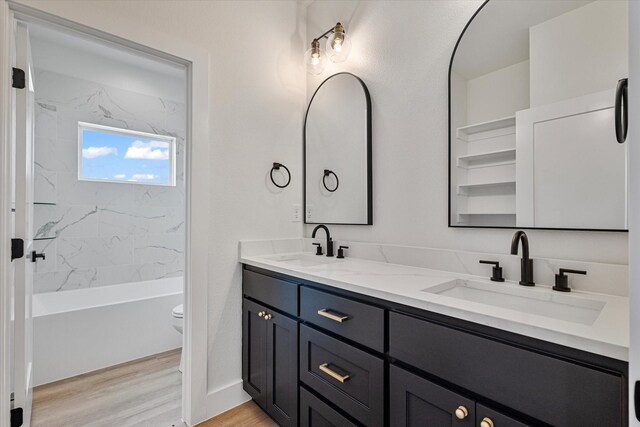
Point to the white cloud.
(93, 152)
(120, 176)
(143, 177)
(152, 150)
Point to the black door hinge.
(16, 417)
(17, 248)
(18, 80)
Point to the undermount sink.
(303, 260)
(545, 303)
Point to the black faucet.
(526, 275)
(329, 241)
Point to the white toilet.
(178, 322)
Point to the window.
(120, 155)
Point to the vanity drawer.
(277, 293)
(315, 413)
(546, 388)
(348, 377)
(356, 321)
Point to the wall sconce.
(337, 49)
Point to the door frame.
(633, 165)
(5, 214)
(196, 59)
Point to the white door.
(23, 276)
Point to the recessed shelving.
(505, 122)
(502, 186)
(486, 213)
(486, 159)
(485, 176)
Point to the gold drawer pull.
(325, 368)
(487, 422)
(335, 317)
(461, 412)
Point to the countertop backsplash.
(611, 279)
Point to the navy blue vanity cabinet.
(254, 352)
(315, 413)
(270, 346)
(415, 401)
(545, 387)
(350, 378)
(350, 319)
(318, 356)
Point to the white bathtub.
(84, 330)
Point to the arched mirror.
(532, 100)
(337, 153)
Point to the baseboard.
(225, 398)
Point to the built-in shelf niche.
(485, 172)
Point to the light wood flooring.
(145, 393)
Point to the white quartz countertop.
(607, 335)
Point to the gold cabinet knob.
(267, 317)
(462, 412)
(486, 422)
(262, 313)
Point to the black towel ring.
(327, 172)
(276, 167)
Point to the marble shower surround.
(95, 233)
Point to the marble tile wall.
(94, 233)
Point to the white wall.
(402, 52)
(498, 94)
(257, 96)
(570, 56)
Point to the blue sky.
(124, 158)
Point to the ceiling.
(49, 38)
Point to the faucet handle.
(496, 275)
(562, 281)
(341, 251)
(319, 249)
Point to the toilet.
(178, 322)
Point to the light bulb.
(315, 60)
(338, 44)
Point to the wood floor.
(144, 393)
(246, 415)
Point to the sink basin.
(303, 260)
(541, 302)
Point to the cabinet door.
(415, 402)
(282, 368)
(487, 417)
(315, 413)
(254, 347)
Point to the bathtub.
(84, 330)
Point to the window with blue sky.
(121, 155)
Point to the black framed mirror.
(337, 153)
(532, 135)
